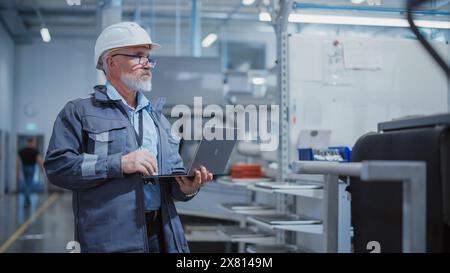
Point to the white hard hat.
(121, 35)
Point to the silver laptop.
(213, 154)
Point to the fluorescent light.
(432, 24)
(364, 21)
(357, 1)
(45, 34)
(209, 40)
(258, 80)
(248, 2)
(265, 16)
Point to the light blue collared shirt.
(152, 193)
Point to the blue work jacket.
(84, 155)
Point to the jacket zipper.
(141, 192)
(160, 170)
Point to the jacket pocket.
(105, 136)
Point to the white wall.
(6, 79)
(48, 76)
(408, 82)
(7, 49)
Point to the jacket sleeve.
(66, 164)
(176, 162)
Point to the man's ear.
(111, 65)
(109, 62)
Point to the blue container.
(305, 154)
(338, 153)
(345, 152)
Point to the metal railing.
(412, 175)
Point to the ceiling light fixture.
(209, 40)
(364, 21)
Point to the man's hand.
(188, 186)
(139, 161)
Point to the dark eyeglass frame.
(150, 61)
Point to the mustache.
(146, 71)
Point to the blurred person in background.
(28, 157)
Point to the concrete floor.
(47, 227)
(27, 230)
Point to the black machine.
(376, 208)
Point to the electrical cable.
(412, 4)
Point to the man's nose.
(146, 65)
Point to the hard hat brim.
(155, 46)
(152, 46)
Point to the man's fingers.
(140, 161)
(190, 182)
(181, 181)
(198, 177)
(204, 174)
(185, 180)
(151, 160)
(210, 176)
(151, 169)
(143, 170)
(147, 166)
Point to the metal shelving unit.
(279, 12)
(311, 193)
(308, 228)
(244, 213)
(247, 235)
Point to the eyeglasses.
(143, 60)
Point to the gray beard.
(136, 84)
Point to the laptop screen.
(188, 150)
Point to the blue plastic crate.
(309, 154)
(345, 152)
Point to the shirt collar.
(113, 94)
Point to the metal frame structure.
(412, 175)
(280, 13)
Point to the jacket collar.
(100, 95)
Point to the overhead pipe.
(108, 12)
(368, 9)
(138, 12)
(177, 28)
(196, 29)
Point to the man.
(101, 147)
(28, 156)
